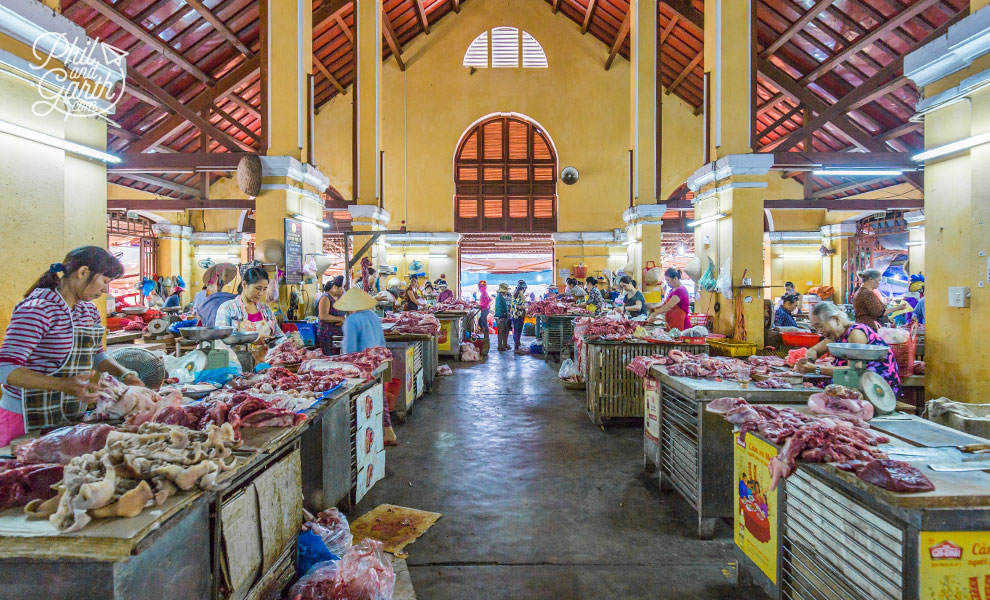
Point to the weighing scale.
(238, 342)
(856, 375)
(207, 336)
(158, 327)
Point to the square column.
(287, 46)
(367, 101)
(728, 60)
(643, 99)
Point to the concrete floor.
(536, 501)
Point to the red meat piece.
(65, 443)
(895, 476)
(272, 417)
(21, 483)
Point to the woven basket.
(904, 353)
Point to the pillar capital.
(731, 166)
(644, 213)
(962, 44)
(839, 230)
(168, 231)
(374, 216)
(588, 238)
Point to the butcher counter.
(237, 540)
(452, 325)
(691, 449)
(825, 533)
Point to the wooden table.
(913, 390)
(123, 337)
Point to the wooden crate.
(612, 390)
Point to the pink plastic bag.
(332, 527)
(317, 584)
(365, 574)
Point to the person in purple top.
(677, 305)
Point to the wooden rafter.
(556, 6)
(422, 16)
(778, 122)
(146, 36)
(220, 26)
(856, 204)
(772, 102)
(164, 183)
(222, 88)
(619, 38)
(179, 162)
(807, 161)
(328, 75)
(243, 104)
(170, 204)
(190, 115)
(123, 133)
(901, 130)
(456, 4)
(327, 10)
(688, 13)
(343, 26)
(797, 26)
(846, 187)
(237, 124)
(588, 13)
(863, 41)
(668, 29)
(687, 71)
(392, 39)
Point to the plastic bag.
(894, 336)
(318, 583)
(332, 527)
(365, 573)
(311, 551)
(725, 279)
(443, 370)
(567, 369)
(470, 353)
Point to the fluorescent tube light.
(50, 140)
(800, 255)
(436, 256)
(311, 220)
(917, 243)
(697, 222)
(964, 144)
(916, 227)
(857, 172)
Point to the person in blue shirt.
(175, 298)
(363, 330)
(362, 327)
(919, 312)
(782, 317)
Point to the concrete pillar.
(643, 239)
(643, 99)
(916, 240)
(728, 59)
(957, 208)
(837, 239)
(288, 48)
(367, 101)
(729, 205)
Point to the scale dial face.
(878, 391)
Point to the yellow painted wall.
(53, 201)
(584, 108)
(957, 232)
(790, 263)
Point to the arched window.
(505, 48)
(505, 177)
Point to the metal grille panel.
(834, 548)
(679, 434)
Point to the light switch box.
(959, 297)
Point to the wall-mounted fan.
(569, 175)
(206, 263)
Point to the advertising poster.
(444, 339)
(410, 371)
(755, 516)
(293, 252)
(955, 565)
(651, 414)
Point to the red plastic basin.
(800, 340)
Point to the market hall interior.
(763, 150)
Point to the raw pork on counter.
(20, 483)
(641, 365)
(840, 401)
(414, 322)
(64, 444)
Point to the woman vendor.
(363, 330)
(446, 295)
(867, 305)
(594, 295)
(53, 344)
(633, 302)
(784, 315)
(248, 311)
(677, 305)
(412, 299)
(331, 319)
(834, 325)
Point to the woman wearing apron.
(331, 319)
(53, 344)
(248, 311)
(677, 305)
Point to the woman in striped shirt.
(53, 343)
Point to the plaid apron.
(44, 408)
